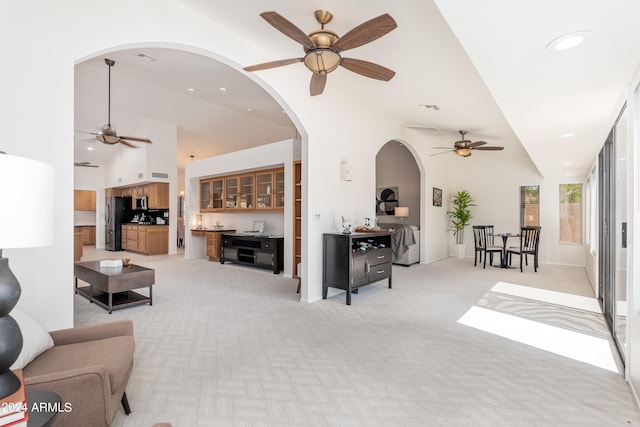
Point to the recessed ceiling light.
(223, 89)
(567, 135)
(90, 148)
(567, 41)
(190, 89)
(249, 109)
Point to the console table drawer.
(379, 271)
(379, 256)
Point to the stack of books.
(13, 408)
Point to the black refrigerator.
(114, 215)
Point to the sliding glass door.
(612, 214)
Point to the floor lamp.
(26, 221)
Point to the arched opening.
(193, 106)
(399, 193)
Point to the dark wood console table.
(355, 260)
(254, 250)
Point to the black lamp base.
(10, 336)
(9, 384)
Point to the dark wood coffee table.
(112, 287)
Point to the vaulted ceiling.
(483, 63)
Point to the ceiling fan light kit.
(323, 47)
(464, 147)
(108, 135)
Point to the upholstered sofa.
(88, 367)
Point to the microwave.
(141, 203)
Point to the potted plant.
(460, 217)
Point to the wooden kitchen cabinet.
(231, 192)
(112, 192)
(146, 239)
(214, 243)
(205, 195)
(261, 190)
(142, 239)
(84, 200)
(88, 235)
(77, 245)
(264, 190)
(157, 239)
(278, 198)
(158, 193)
(246, 191)
(129, 237)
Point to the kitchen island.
(148, 239)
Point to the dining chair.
(529, 242)
(483, 241)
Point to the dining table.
(505, 238)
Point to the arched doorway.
(398, 184)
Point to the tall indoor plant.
(460, 217)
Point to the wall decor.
(437, 197)
(386, 200)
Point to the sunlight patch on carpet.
(567, 325)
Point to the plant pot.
(460, 250)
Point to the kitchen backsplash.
(151, 216)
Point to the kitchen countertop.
(220, 230)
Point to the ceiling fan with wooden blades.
(322, 48)
(108, 134)
(464, 147)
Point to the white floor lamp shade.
(26, 221)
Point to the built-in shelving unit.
(297, 216)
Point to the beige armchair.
(88, 367)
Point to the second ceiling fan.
(322, 47)
(108, 134)
(464, 147)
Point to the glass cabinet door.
(279, 184)
(264, 190)
(231, 193)
(217, 193)
(246, 192)
(205, 195)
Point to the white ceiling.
(483, 63)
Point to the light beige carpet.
(232, 346)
